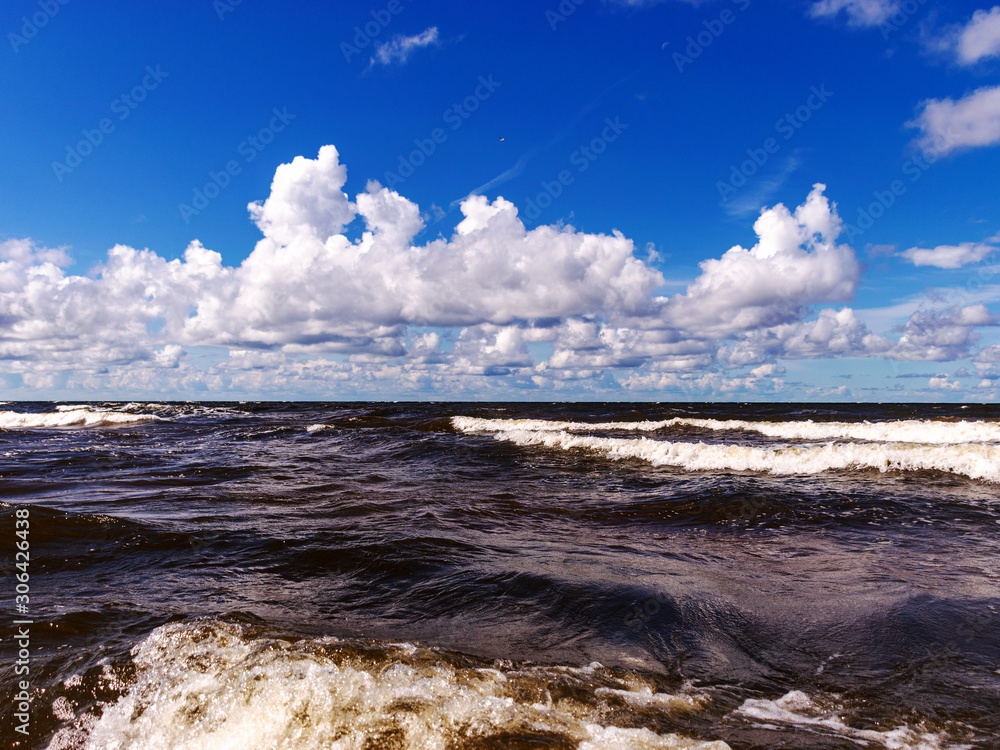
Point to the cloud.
(307, 287)
(315, 308)
(750, 201)
(972, 121)
(879, 251)
(943, 384)
(951, 256)
(976, 40)
(927, 336)
(834, 333)
(105, 317)
(507, 174)
(981, 36)
(862, 13)
(398, 49)
(941, 335)
(306, 200)
(305, 282)
(990, 354)
(795, 263)
(700, 386)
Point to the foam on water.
(213, 685)
(146, 405)
(974, 460)
(902, 431)
(71, 416)
(798, 709)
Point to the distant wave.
(213, 684)
(72, 407)
(902, 431)
(974, 460)
(71, 416)
(798, 709)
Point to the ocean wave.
(71, 416)
(798, 709)
(214, 685)
(931, 432)
(72, 407)
(146, 405)
(977, 461)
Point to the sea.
(235, 576)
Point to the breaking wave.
(215, 685)
(932, 432)
(219, 684)
(798, 709)
(71, 416)
(974, 460)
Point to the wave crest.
(213, 684)
(932, 432)
(973, 460)
(74, 416)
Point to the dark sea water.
(371, 576)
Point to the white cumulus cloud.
(795, 263)
(951, 256)
(941, 335)
(315, 308)
(834, 333)
(307, 287)
(972, 121)
(973, 41)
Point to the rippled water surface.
(505, 575)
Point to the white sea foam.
(211, 686)
(975, 460)
(798, 709)
(644, 697)
(932, 432)
(72, 407)
(317, 427)
(146, 405)
(71, 416)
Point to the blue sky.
(132, 132)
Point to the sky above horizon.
(577, 200)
